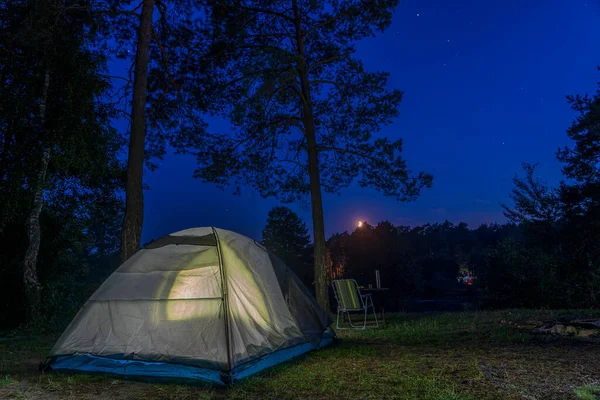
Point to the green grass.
(444, 356)
(588, 392)
(354, 370)
(5, 380)
(446, 329)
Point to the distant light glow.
(360, 223)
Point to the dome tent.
(203, 303)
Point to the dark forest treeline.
(424, 261)
(513, 265)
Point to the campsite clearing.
(474, 355)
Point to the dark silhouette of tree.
(336, 256)
(53, 125)
(57, 148)
(534, 200)
(582, 161)
(306, 109)
(554, 262)
(134, 196)
(169, 94)
(286, 235)
(581, 196)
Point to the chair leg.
(374, 313)
(337, 323)
(353, 325)
(350, 320)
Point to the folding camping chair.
(349, 299)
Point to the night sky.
(484, 89)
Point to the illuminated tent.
(203, 303)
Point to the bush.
(519, 274)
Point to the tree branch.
(328, 21)
(340, 85)
(303, 166)
(165, 59)
(325, 81)
(256, 73)
(280, 88)
(266, 11)
(115, 77)
(299, 93)
(296, 121)
(273, 34)
(328, 60)
(346, 151)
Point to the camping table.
(379, 296)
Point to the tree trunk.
(4, 177)
(30, 275)
(134, 196)
(320, 249)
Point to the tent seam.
(225, 302)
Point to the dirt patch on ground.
(542, 370)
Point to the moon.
(360, 223)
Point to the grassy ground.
(475, 355)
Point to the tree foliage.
(304, 108)
(286, 235)
(582, 161)
(162, 39)
(534, 200)
(556, 262)
(336, 256)
(47, 53)
(268, 148)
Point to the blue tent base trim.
(275, 358)
(136, 368)
(90, 363)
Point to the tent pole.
(226, 378)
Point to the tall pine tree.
(304, 108)
(168, 100)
